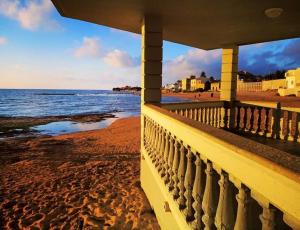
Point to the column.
(229, 78)
(151, 59)
(229, 73)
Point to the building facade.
(292, 83)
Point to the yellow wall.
(186, 84)
(196, 84)
(273, 84)
(249, 86)
(215, 86)
(293, 78)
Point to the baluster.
(146, 127)
(165, 156)
(157, 154)
(188, 183)
(195, 114)
(191, 114)
(225, 214)
(186, 113)
(175, 170)
(225, 118)
(259, 120)
(181, 174)
(243, 198)
(204, 115)
(208, 203)
(245, 119)
(198, 193)
(181, 112)
(251, 122)
(157, 143)
(152, 141)
(200, 114)
(161, 151)
(149, 133)
(216, 116)
(283, 123)
(169, 174)
(208, 115)
(276, 115)
(289, 127)
(267, 122)
(238, 117)
(148, 136)
(267, 218)
(221, 117)
(297, 128)
(212, 115)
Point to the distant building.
(292, 86)
(215, 86)
(186, 83)
(172, 87)
(198, 83)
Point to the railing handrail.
(272, 166)
(190, 104)
(272, 105)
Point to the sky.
(41, 49)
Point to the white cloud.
(193, 62)
(31, 15)
(90, 48)
(3, 40)
(119, 58)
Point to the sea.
(42, 102)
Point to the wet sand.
(242, 96)
(86, 180)
(13, 126)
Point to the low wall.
(273, 84)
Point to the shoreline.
(15, 126)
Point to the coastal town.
(285, 83)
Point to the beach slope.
(84, 180)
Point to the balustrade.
(261, 121)
(206, 200)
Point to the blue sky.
(41, 49)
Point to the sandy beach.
(86, 180)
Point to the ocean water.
(39, 103)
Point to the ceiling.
(205, 24)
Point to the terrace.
(202, 165)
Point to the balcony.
(198, 173)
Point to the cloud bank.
(260, 58)
(91, 48)
(31, 14)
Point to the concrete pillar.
(152, 52)
(229, 80)
(229, 73)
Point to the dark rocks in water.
(128, 89)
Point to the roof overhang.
(205, 24)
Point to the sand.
(242, 96)
(86, 180)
